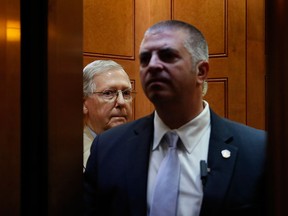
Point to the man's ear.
(85, 109)
(203, 69)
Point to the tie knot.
(172, 138)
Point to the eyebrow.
(168, 49)
(165, 49)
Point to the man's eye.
(126, 93)
(108, 93)
(167, 56)
(145, 59)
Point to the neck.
(176, 115)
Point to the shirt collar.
(92, 132)
(159, 130)
(189, 133)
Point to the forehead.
(159, 39)
(112, 78)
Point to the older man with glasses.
(107, 100)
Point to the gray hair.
(95, 68)
(195, 44)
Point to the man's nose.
(120, 99)
(155, 62)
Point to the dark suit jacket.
(115, 179)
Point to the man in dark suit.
(222, 163)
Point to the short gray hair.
(195, 44)
(95, 68)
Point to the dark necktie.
(165, 196)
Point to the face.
(166, 69)
(101, 115)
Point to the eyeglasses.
(111, 94)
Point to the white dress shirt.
(88, 137)
(195, 138)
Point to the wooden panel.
(210, 17)
(109, 28)
(155, 14)
(256, 73)
(236, 61)
(218, 95)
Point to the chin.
(118, 121)
(159, 97)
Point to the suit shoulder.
(239, 131)
(245, 129)
(222, 122)
(129, 128)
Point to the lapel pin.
(226, 153)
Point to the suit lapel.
(221, 166)
(138, 149)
